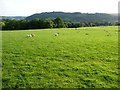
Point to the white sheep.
(56, 34)
(30, 35)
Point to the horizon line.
(57, 12)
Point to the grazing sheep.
(30, 35)
(56, 34)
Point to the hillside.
(14, 17)
(76, 16)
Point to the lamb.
(30, 35)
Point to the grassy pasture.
(85, 57)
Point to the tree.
(59, 23)
(34, 24)
(48, 23)
(24, 24)
(11, 24)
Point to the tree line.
(37, 23)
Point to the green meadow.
(85, 57)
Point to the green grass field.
(85, 57)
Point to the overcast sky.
(29, 7)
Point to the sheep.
(30, 35)
(56, 34)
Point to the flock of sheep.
(57, 34)
(33, 35)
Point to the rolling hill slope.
(76, 16)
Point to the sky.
(29, 7)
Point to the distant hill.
(76, 16)
(14, 17)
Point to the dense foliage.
(32, 24)
(37, 23)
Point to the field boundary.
(119, 43)
(0, 55)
